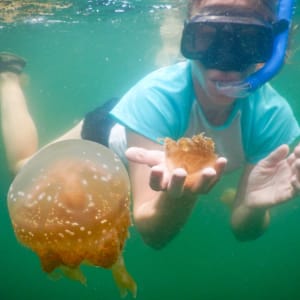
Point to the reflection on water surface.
(37, 11)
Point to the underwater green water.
(77, 61)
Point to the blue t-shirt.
(163, 105)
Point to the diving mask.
(228, 42)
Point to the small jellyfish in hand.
(70, 204)
(191, 154)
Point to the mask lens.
(199, 37)
(246, 43)
(256, 43)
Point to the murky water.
(78, 56)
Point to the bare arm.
(162, 201)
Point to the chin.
(223, 101)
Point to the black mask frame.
(228, 42)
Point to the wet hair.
(266, 8)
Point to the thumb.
(143, 156)
(276, 156)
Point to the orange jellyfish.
(70, 205)
(191, 154)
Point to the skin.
(20, 143)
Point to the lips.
(226, 78)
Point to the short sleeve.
(159, 105)
(267, 122)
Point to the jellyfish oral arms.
(70, 204)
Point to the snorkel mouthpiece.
(235, 89)
(240, 89)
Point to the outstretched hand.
(275, 179)
(177, 181)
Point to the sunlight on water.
(71, 11)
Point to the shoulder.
(159, 104)
(267, 122)
(267, 97)
(263, 104)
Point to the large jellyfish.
(70, 205)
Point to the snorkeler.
(225, 43)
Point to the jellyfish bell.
(191, 154)
(70, 204)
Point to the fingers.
(296, 185)
(296, 171)
(162, 180)
(276, 156)
(157, 179)
(297, 152)
(211, 175)
(201, 182)
(294, 162)
(176, 184)
(143, 156)
(220, 165)
(177, 181)
(209, 178)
